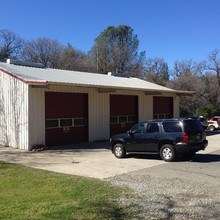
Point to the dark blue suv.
(166, 137)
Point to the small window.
(131, 118)
(161, 116)
(155, 116)
(113, 119)
(66, 122)
(79, 121)
(52, 123)
(123, 118)
(168, 116)
(172, 127)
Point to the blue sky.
(169, 29)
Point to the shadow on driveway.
(207, 158)
(201, 158)
(86, 145)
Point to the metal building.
(59, 107)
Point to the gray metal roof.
(32, 75)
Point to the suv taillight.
(185, 138)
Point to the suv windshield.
(192, 125)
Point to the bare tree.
(156, 71)
(187, 66)
(187, 75)
(73, 59)
(10, 45)
(189, 82)
(213, 64)
(199, 77)
(211, 81)
(43, 50)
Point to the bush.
(208, 111)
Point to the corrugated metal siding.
(145, 107)
(36, 117)
(99, 123)
(176, 104)
(14, 113)
(14, 104)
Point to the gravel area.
(178, 190)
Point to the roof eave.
(109, 89)
(27, 81)
(185, 93)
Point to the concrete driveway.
(89, 160)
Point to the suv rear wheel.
(167, 152)
(119, 150)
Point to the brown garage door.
(162, 107)
(66, 118)
(123, 113)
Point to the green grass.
(27, 193)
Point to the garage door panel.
(162, 107)
(123, 113)
(62, 136)
(123, 104)
(66, 105)
(121, 128)
(66, 118)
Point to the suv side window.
(172, 126)
(192, 125)
(138, 129)
(152, 128)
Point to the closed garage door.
(123, 113)
(162, 107)
(66, 118)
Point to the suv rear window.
(172, 126)
(192, 125)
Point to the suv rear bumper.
(190, 148)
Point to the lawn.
(27, 193)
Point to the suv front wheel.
(167, 152)
(119, 150)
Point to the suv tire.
(167, 152)
(119, 150)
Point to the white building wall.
(22, 111)
(145, 106)
(98, 110)
(36, 116)
(176, 106)
(13, 112)
(99, 120)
